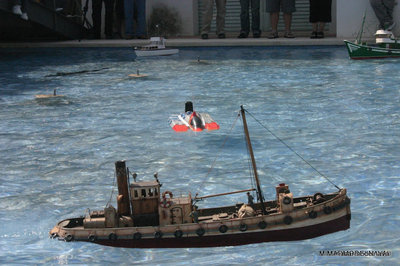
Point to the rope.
(218, 153)
(290, 148)
(112, 190)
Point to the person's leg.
(273, 7)
(96, 17)
(287, 18)
(389, 6)
(141, 18)
(255, 18)
(109, 6)
(274, 17)
(244, 18)
(379, 10)
(288, 7)
(207, 16)
(221, 12)
(129, 11)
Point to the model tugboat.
(386, 46)
(147, 217)
(155, 48)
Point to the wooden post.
(123, 193)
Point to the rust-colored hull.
(342, 223)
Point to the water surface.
(57, 155)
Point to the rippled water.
(57, 155)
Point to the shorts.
(320, 11)
(286, 6)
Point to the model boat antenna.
(253, 161)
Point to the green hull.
(362, 51)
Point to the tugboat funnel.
(123, 193)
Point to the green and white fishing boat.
(386, 46)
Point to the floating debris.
(76, 72)
(138, 75)
(44, 96)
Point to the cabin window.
(155, 192)
(150, 193)
(143, 192)
(136, 194)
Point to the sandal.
(288, 34)
(273, 35)
(314, 35)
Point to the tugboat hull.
(330, 216)
(301, 233)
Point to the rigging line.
(218, 153)
(290, 148)
(112, 190)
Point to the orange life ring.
(167, 192)
(164, 203)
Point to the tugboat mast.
(253, 161)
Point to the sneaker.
(17, 10)
(273, 35)
(204, 36)
(289, 35)
(314, 35)
(320, 35)
(242, 35)
(221, 36)
(24, 16)
(256, 34)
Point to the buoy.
(178, 233)
(223, 228)
(327, 210)
(158, 234)
(262, 225)
(287, 200)
(137, 236)
(288, 220)
(243, 227)
(112, 236)
(68, 238)
(92, 238)
(200, 231)
(312, 214)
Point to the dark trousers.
(96, 16)
(245, 16)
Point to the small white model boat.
(155, 48)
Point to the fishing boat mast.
(360, 33)
(253, 161)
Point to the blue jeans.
(132, 7)
(255, 16)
